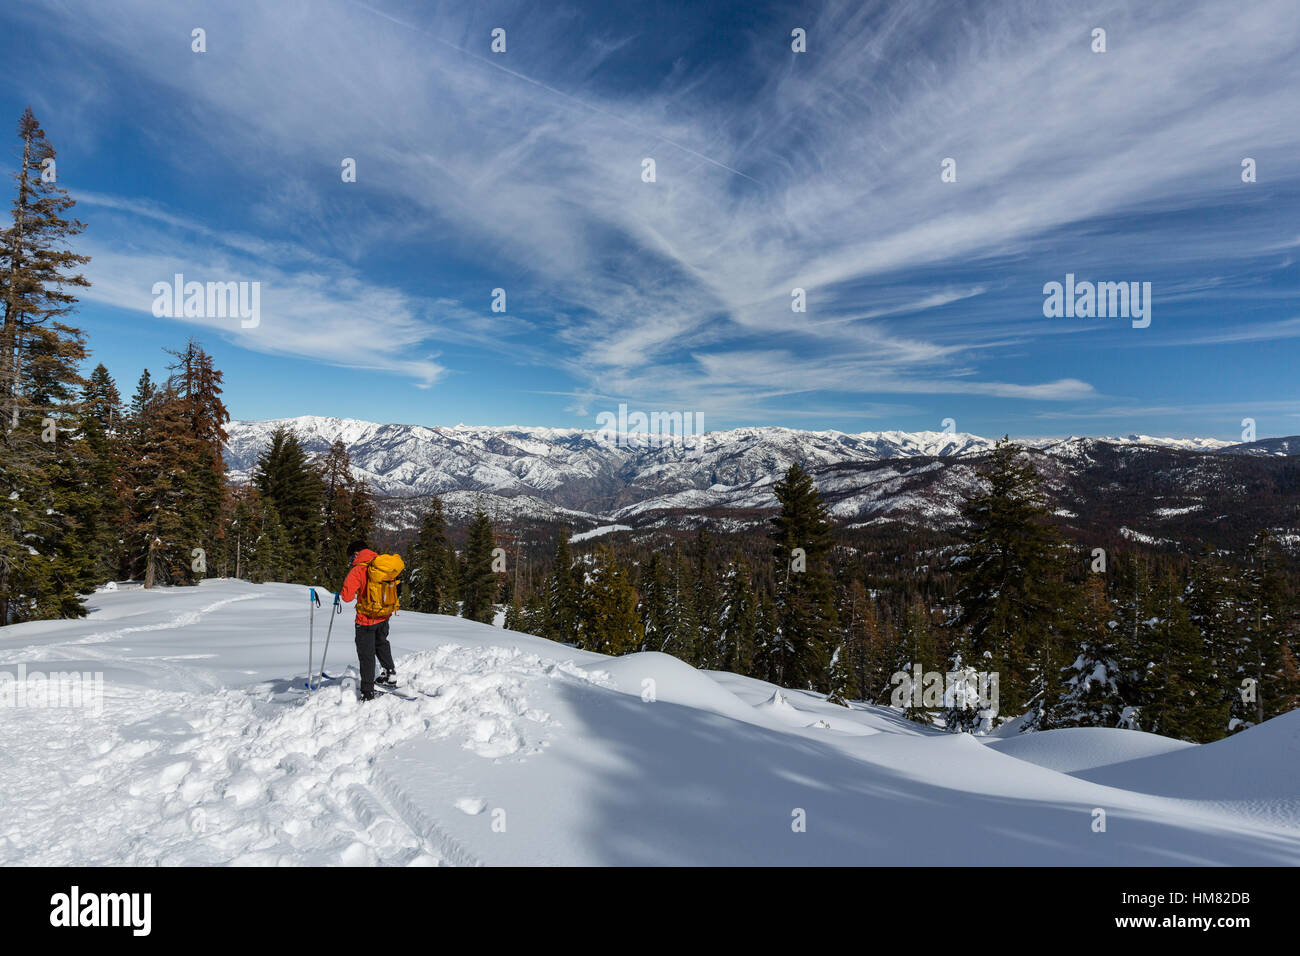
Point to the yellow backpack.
(383, 574)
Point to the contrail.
(551, 89)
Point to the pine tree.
(196, 384)
(136, 473)
(289, 484)
(335, 474)
(108, 519)
(241, 533)
(167, 468)
(609, 620)
(918, 653)
(516, 616)
(841, 678)
(144, 396)
(1048, 660)
(431, 564)
(534, 614)
(706, 603)
(654, 610)
(1008, 584)
(101, 400)
(1265, 656)
(768, 652)
(738, 619)
(805, 601)
(1091, 683)
(865, 649)
(1211, 611)
(681, 632)
(564, 593)
(479, 585)
(1133, 610)
(271, 557)
(347, 512)
(45, 562)
(357, 512)
(1178, 697)
(61, 535)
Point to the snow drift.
(517, 750)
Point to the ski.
(393, 693)
(404, 693)
(320, 682)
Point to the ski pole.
(338, 609)
(313, 602)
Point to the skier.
(374, 582)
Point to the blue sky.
(774, 170)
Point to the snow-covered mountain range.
(568, 464)
(583, 478)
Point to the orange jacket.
(356, 581)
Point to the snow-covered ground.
(517, 750)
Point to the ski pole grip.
(313, 596)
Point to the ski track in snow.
(247, 777)
(47, 652)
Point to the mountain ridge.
(246, 436)
(579, 477)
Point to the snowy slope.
(1224, 770)
(1084, 748)
(518, 750)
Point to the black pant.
(372, 642)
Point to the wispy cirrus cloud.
(775, 171)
